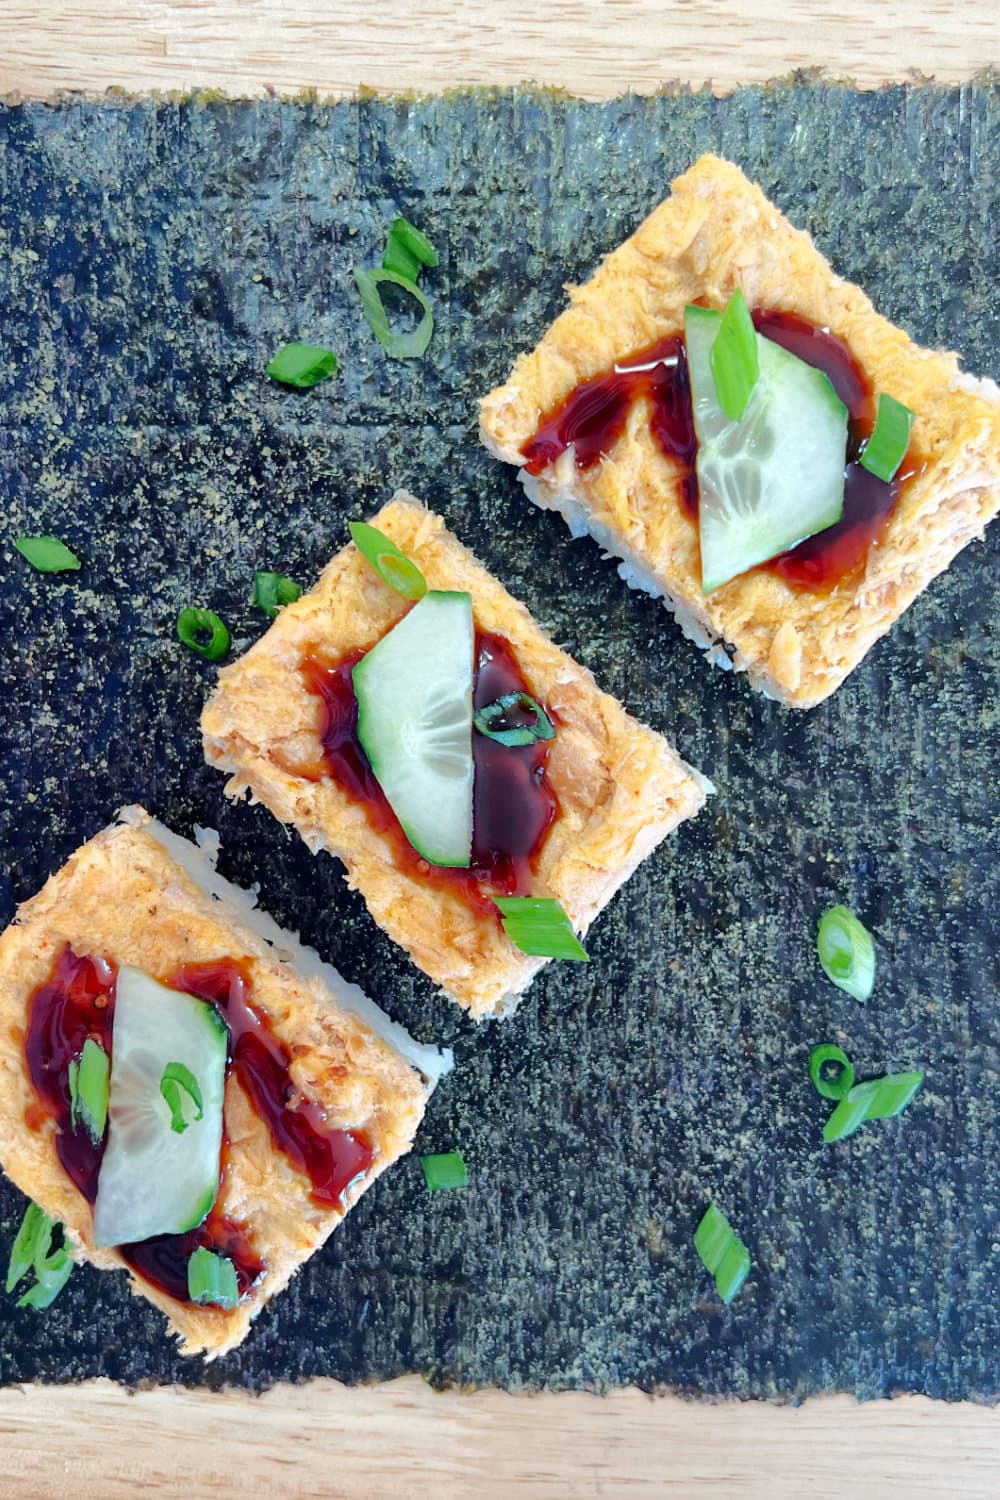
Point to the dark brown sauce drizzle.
(163, 1260)
(838, 554)
(593, 418)
(513, 804)
(77, 1002)
(333, 1160)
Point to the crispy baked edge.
(796, 648)
(29, 945)
(491, 981)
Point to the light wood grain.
(595, 49)
(404, 1442)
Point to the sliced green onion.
(539, 927)
(723, 1253)
(193, 625)
(886, 448)
(879, 1099)
(177, 1084)
(271, 591)
(519, 734)
(733, 358)
(846, 952)
(88, 1090)
(302, 365)
(415, 241)
(398, 259)
(838, 1084)
(444, 1171)
(212, 1280)
(22, 1252)
(396, 345)
(893, 1094)
(53, 1275)
(47, 554)
(52, 1270)
(391, 565)
(31, 1252)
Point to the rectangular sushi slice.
(565, 819)
(594, 417)
(248, 1100)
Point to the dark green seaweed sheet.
(151, 259)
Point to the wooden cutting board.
(402, 1438)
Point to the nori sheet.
(152, 257)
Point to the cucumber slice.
(772, 479)
(414, 692)
(155, 1180)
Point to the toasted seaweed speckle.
(152, 257)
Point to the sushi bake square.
(799, 624)
(569, 823)
(314, 1105)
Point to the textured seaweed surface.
(151, 258)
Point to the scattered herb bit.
(22, 1254)
(212, 1280)
(88, 1090)
(835, 1084)
(886, 448)
(734, 359)
(271, 591)
(396, 345)
(399, 260)
(878, 1100)
(47, 554)
(444, 1171)
(391, 565)
(177, 1084)
(846, 952)
(414, 241)
(539, 927)
(193, 625)
(302, 365)
(517, 734)
(724, 1254)
(32, 1252)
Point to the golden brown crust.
(716, 232)
(122, 898)
(621, 787)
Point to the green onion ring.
(194, 624)
(520, 734)
(839, 1085)
(846, 952)
(396, 345)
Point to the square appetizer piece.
(190, 1105)
(485, 797)
(761, 449)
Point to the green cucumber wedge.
(775, 477)
(155, 1179)
(414, 692)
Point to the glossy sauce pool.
(513, 805)
(593, 418)
(77, 1003)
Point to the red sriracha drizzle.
(593, 418)
(513, 805)
(77, 1002)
